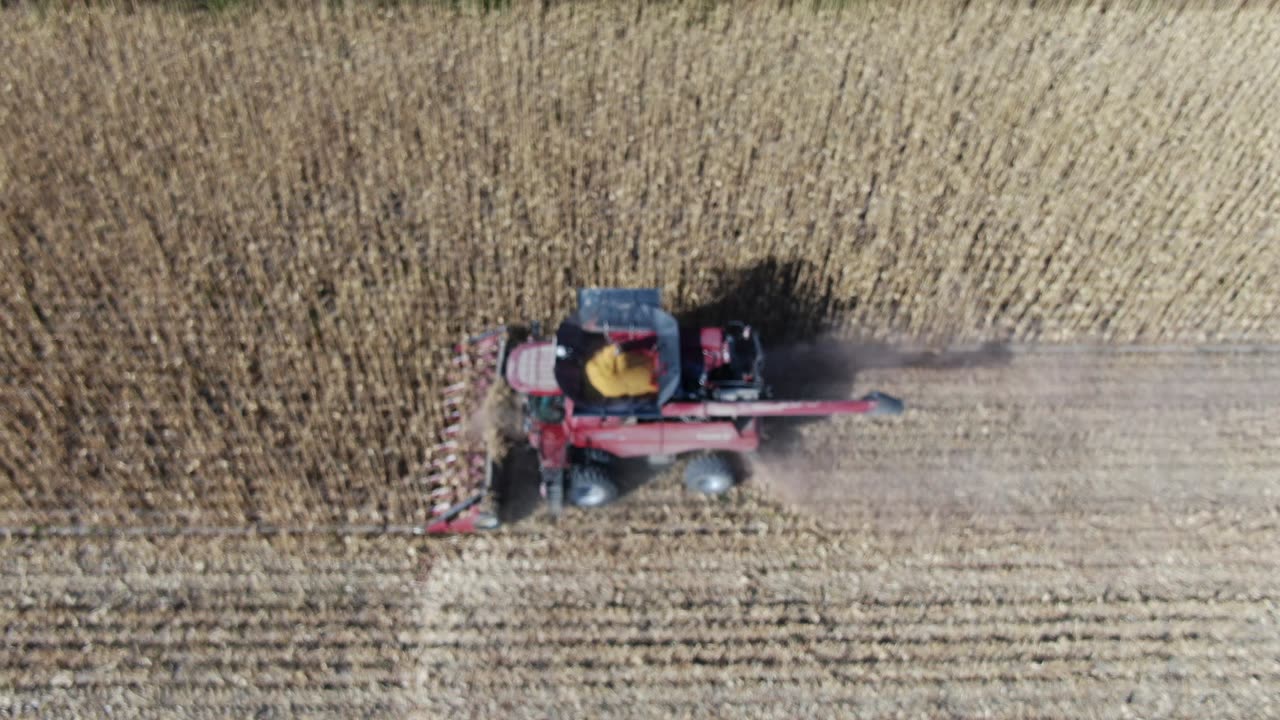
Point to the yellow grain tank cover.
(614, 373)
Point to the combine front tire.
(591, 487)
(709, 475)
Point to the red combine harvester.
(706, 397)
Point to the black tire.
(591, 487)
(709, 475)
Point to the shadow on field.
(804, 361)
(772, 297)
(515, 484)
(827, 368)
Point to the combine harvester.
(706, 397)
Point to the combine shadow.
(827, 368)
(772, 297)
(516, 492)
(803, 361)
(631, 474)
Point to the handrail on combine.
(874, 403)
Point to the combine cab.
(621, 379)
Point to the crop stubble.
(160, 627)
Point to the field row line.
(249, 530)
(727, 525)
(299, 621)
(292, 583)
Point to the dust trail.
(827, 367)
(830, 367)
(1034, 433)
(834, 368)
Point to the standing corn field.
(236, 249)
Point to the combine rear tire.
(591, 487)
(709, 475)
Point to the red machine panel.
(714, 351)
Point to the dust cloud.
(828, 367)
(1046, 432)
(806, 463)
(496, 423)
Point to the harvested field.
(209, 628)
(1044, 432)
(1112, 587)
